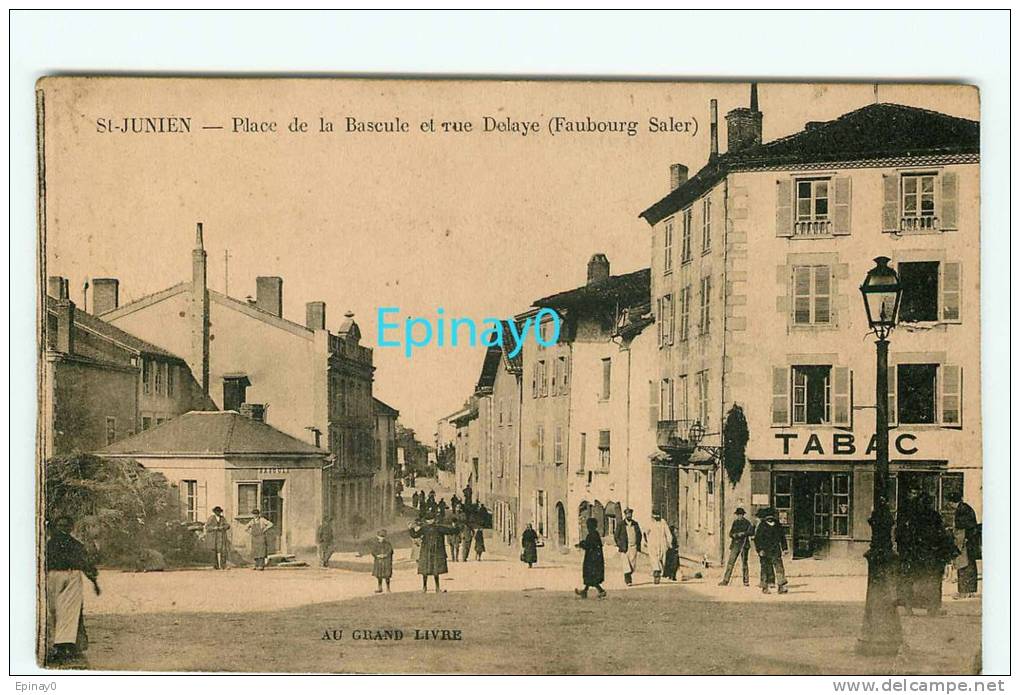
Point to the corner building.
(756, 266)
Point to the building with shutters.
(305, 380)
(757, 261)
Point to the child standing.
(382, 560)
(593, 571)
(479, 543)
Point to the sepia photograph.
(500, 376)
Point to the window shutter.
(780, 396)
(892, 394)
(890, 203)
(841, 392)
(950, 195)
(653, 404)
(201, 504)
(841, 205)
(952, 395)
(950, 287)
(784, 208)
(603, 439)
(863, 487)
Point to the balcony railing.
(812, 228)
(677, 437)
(919, 224)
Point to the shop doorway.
(666, 492)
(272, 509)
(814, 507)
(561, 524)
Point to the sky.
(478, 224)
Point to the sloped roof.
(873, 132)
(379, 405)
(490, 367)
(631, 288)
(219, 433)
(113, 334)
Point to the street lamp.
(881, 633)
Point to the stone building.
(386, 448)
(101, 384)
(303, 379)
(756, 265)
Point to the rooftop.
(115, 335)
(627, 289)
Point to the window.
(812, 295)
(812, 396)
(501, 458)
(554, 387)
(685, 312)
(812, 207)
(931, 291)
(111, 430)
(666, 399)
(667, 243)
(705, 319)
(701, 384)
(158, 374)
(146, 376)
(706, 225)
(558, 445)
(685, 249)
(189, 490)
(665, 322)
(604, 449)
(247, 498)
(540, 509)
(607, 378)
(543, 386)
(564, 368)
(584, 450)
(160, 421)
(681, 391)
(840, 504)
(540, 442)
(820, 395)
(146, 422)
(918, 201)
(171, 379)
(915, 393)
(534, 380)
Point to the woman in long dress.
(529, 545)
(593, 570)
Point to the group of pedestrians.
(769, 539)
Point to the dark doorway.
(803, 511)
(272, 509)
(666, 492)
(561, 524)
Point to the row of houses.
(237, 405)
(737, 370)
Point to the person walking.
(932, 548)
(628, 542)
(672, 566)
(479, 543)
(529, 546)
(416, 500)
(968, 541)
(216, 532)
(429, 507)
(66, 561)
(454, 503)
(741, 532)
(658, 540)
(770, 543)
(432, 562)
(382, 560)
(324, 538)
(468, 492)
(258, 528)
(453, 540)
(593, 569)
(467, 535)
(441, 508)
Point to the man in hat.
(258, 528)
(324, 538)
(432, 560)
(216, 531)
(628, 543)
(967, 534)
(658, 539)
(770, 542)
(741, 532)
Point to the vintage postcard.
(486, 376)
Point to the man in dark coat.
(529, 545)
(430, 503)
(770, 543)
(382, 560)
(593, 570)
(968, 542)
(432, 560)
(216, 529)
(741, 532)
(628, 543)
(324, 538)
(454, 503)
(467, 493)
(930, 549)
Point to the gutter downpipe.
(721, 480)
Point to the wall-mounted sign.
(840, 444)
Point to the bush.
(121, 509)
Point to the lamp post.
(881, 633)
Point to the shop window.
(840, 504)
(916, 393)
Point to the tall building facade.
(756, 266)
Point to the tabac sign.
(841, 444)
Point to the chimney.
(269, 295)
(57, 287)
(105, 295)
(743, 126)
(598, 268)
(254, 411)
(65, 325)
(315, 316)
(677, 176)
(199, 316)
(814, 125)
(713, 110)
